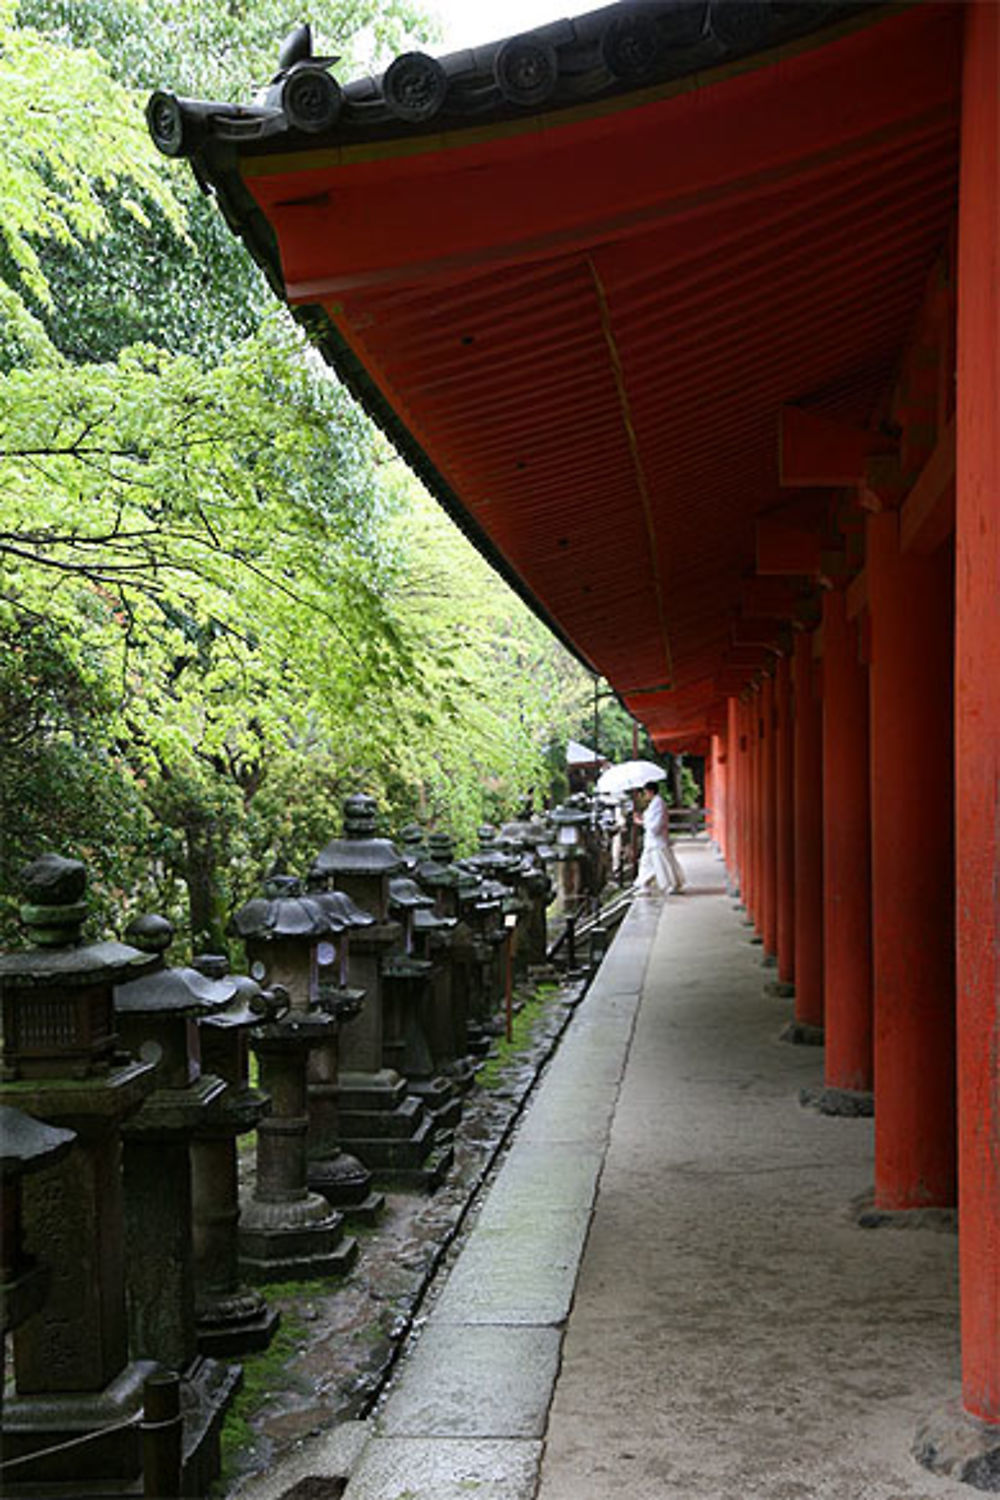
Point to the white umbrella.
(628, 775)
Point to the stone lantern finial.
(54, 910)
(442, 847)
(150, 933)
(360, 814)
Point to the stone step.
(371, 1124)
(370, 1091)
(332, 1262)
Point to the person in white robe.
(659, 863)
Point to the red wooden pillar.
(746, 819)
(739, 808)
(732, 755)
(910, 688)
(726, 770)
(769, 817)
(750, 823)
(757, 811)
(719, 763)
(977, 722)
(711, 792)
(784, 823)
(847, 999)
(733, 805)
(808, 796)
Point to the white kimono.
(658, 860)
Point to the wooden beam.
(770, 599)
(857, 595)
(767, 633)
(814, 450)
(927, 517)
(730, 683)
(786, 551)
(754, 658)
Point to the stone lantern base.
(297, 1241)
(241, 1323)
(391, 1131)
(112, 1464)
(34, 1424)
(346, 1184)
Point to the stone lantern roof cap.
(429, 921)
(282, 916)
(165, 987)
(29, 1145)
(340, 908)
(567, 815)
(523, 833)
(92, 963)
(170, 989)
(404, 893)
(54, 911)
(359, 852)
(493, 890)
(437, 876)
(246, 1003)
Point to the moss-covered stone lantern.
(380, 1122)
(453, 889)
(27, 1146)
(288, 1231)
(409, 995)
(63, 1064)
(342, 1178)
(157, 1015)
(232, 1317)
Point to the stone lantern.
(412, 846)
(383, 1124)
(441, 941)
(232, 1318)
(344, 1181)
(491, 860)
(409, 997)
(532, 879)
(27, 1146)
(287, 1231)
(570, 823)
(63, 1065)
(485, 914)
(453, 889)
(157, 1015)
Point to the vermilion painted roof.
(580, 326)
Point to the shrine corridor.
(666, 1292)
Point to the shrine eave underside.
(579, 310)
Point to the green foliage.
(228, 604)
(62, 784)
(72, 137)
(201, 292)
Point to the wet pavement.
(665, 1293)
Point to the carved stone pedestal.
(231, 1317)
(288, 1233)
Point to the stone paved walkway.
(665, 1295)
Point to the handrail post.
(162, 1434)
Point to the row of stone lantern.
(142, 1069)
